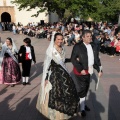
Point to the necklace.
(59, 49)
(10, 47)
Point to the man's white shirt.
(90, 58)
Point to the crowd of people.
(60, 97)
(106, 36)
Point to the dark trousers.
(112, 50)
(82, 83)
(102, 49)
(108, 49)
(26, 66)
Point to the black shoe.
(83, 113)
(24, 83)
(12, 85)
(28, 83)
(87, 108)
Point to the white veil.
(14, 48)
(6, 50)
(45, 89)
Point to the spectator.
(113, 46)
(71, 39)
(77, 36)
(14, 29)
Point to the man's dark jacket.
(80, 52)
(23, 52)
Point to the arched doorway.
(5, 17)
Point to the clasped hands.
(84, 73)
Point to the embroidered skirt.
(10, 71)
(62, 101)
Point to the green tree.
(43, 5)
(110, 9)
(96, 9)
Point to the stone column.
(119, 20)
(4, 2)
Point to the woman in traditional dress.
(26, 55)
(57, 98)
(9, 66)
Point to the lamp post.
(119, 19)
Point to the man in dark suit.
(84, 57)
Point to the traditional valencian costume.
(9, 67)
(26, 58)
(84, 57)
(57, 100)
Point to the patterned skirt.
(62, 101)
(10, 71)
(1, 80)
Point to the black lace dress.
(63, 96)
(62, 100)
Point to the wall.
(8, 9)
(1, 2)
(22, 16)
(53, 18)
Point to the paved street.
(19, 102)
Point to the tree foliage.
(96, 9)
(110, 9)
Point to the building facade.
(9, 13)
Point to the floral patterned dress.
(10, 73)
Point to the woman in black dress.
(57, 98)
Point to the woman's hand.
(46, 82)
(78, 59)
(100, 74)
(83, 72)
(20, 54)
(20, 63)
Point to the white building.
(9, 13)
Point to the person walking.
(26, 56)
(9, 66)
(57, 99)
(84, 57)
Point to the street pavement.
(19, 102)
